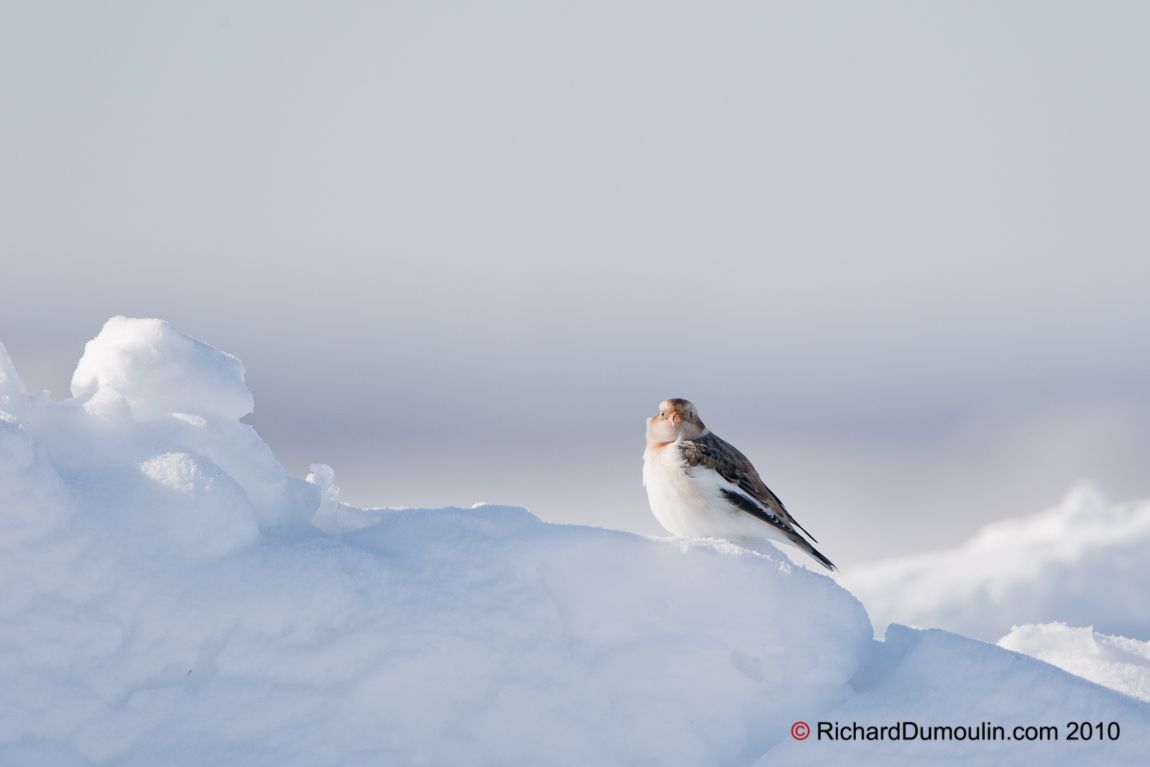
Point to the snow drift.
(169, 595)
(1084, 563)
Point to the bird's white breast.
(690, 504)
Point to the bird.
(700, 486)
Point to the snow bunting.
(701, 487)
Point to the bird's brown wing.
(718, 455)
(714, 453)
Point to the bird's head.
(676, 418)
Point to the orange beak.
(675, 418)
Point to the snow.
(1083, 563)
(154, 370)
(1117, 662)
(933, 678)
(169, 595)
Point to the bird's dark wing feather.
(712, 452)
(741, 501)
(721, 456)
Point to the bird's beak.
(675, 418)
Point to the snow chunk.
(1116, 662)
(156, 370)
(332, 516)
(177, 471)
(33, 499)
(144, 392)
(1083, 562)
(195, 508)
(13, 395)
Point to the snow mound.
(479, 636)
(168, 596)
(1083, 562)
(152, 443)
(944, 695)
(1117, 662)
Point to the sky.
(897, 254)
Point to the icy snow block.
(153, 433)
(33, 499)
(13, 395)
(157, 370)
(939, 683)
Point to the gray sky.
(898, 253)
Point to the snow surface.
(1116, 662)
(937, 679)
(1084, 562)
(169, 595)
